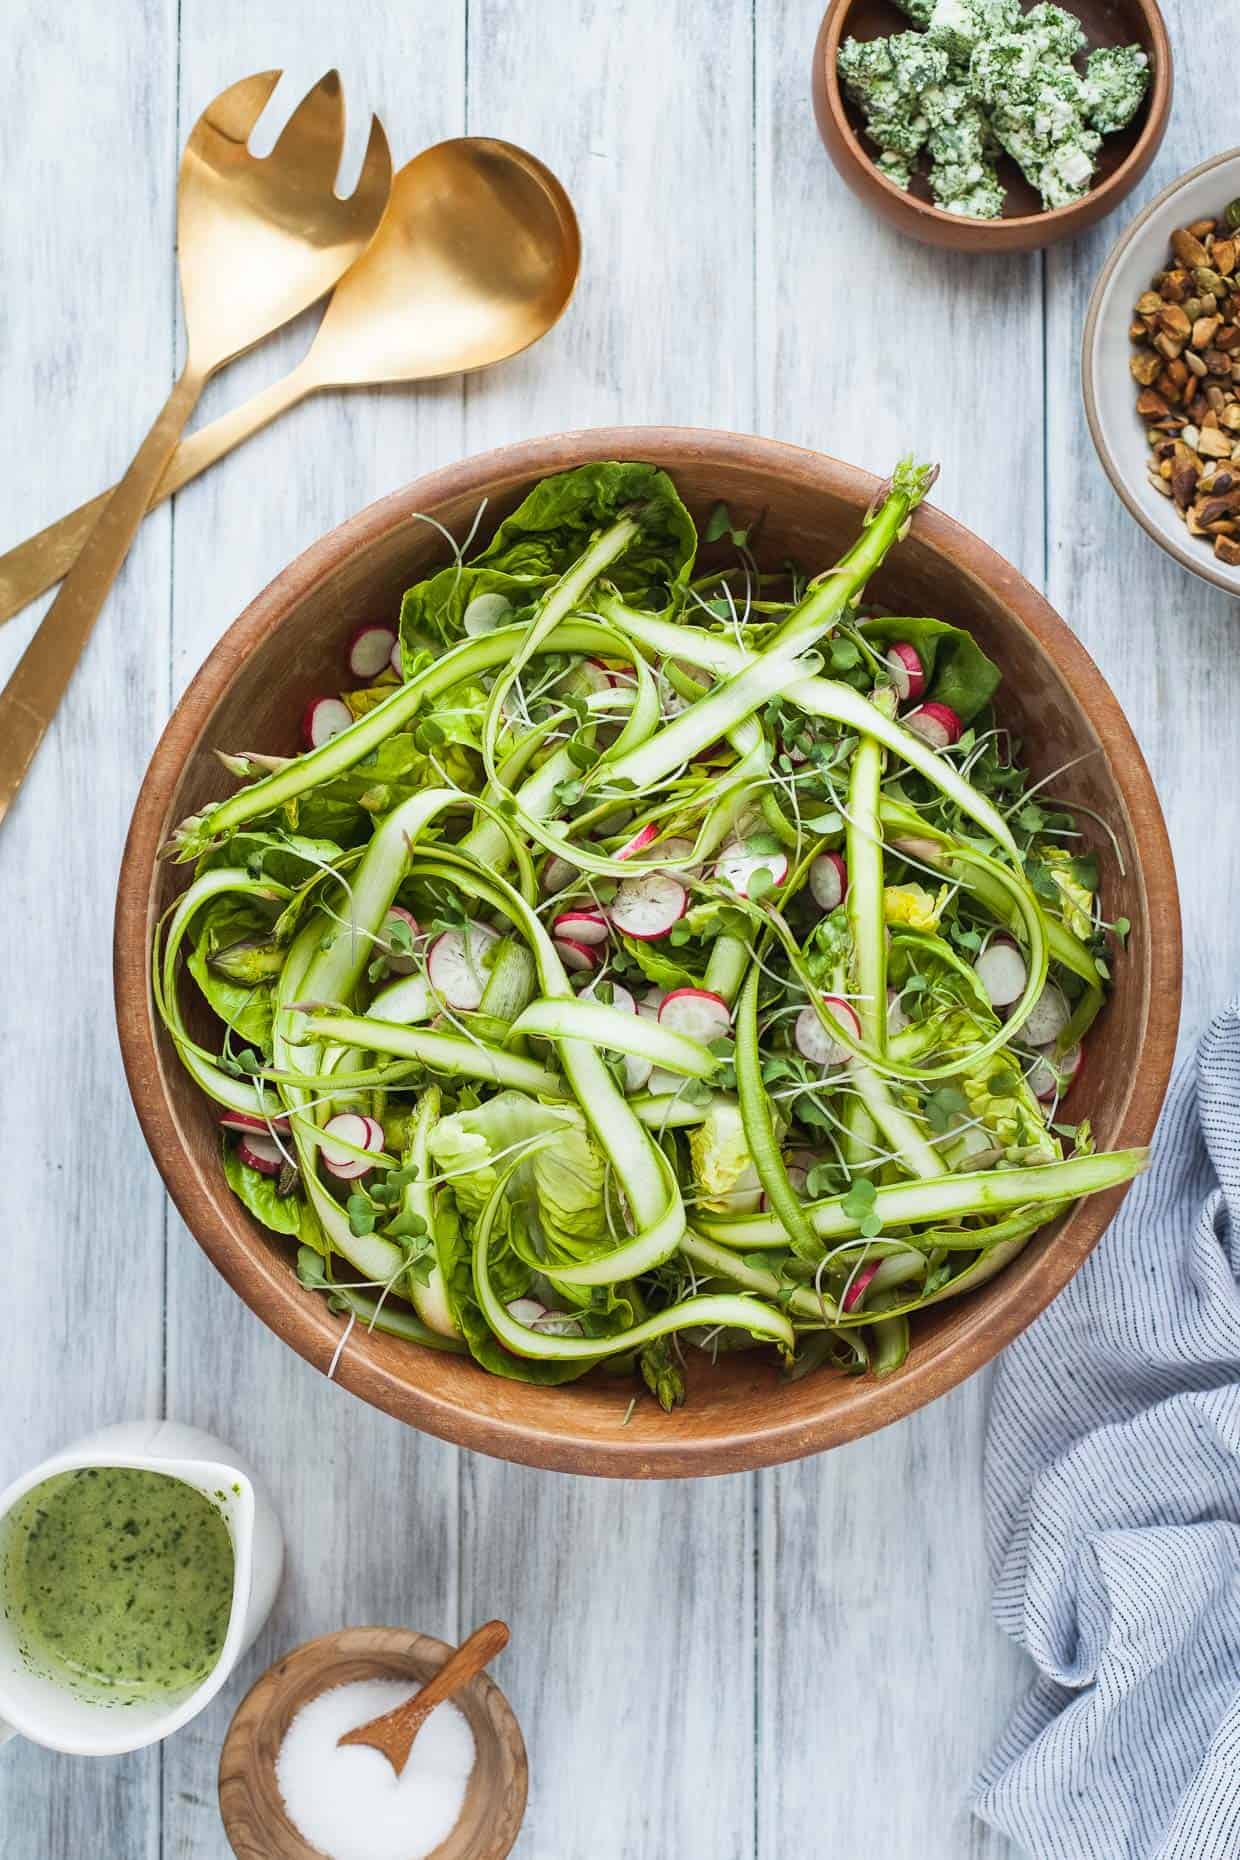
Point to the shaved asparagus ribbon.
(953, 1197)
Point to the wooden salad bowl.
(289, 645)
(1025, 224)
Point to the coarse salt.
(350, 1803)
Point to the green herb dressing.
(120, 1580)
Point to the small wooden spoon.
(394, 1733)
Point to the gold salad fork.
(475, 258)
(258, 242)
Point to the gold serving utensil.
(475, 258)
(395, 1731)
(258, 242)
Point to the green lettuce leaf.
(219, 925)
(958, 673)
(283, 1214)
(544, 536)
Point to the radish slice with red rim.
(828, 881)
(370, 651)
(812, 1038)
(856, 1290)
(557, 873)
(696, 1012)
(456, 965)
(736, 867)
(258, 1126)
(645, 836)
(261, 1153)
(578, 958)
(400, 960)
(1048, 1018)
(581, 926)
(351, 1129)
(936, 724)
(908, 674)
(1002, 972)
(323, 718)
(647, 907)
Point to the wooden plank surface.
(797, 1663)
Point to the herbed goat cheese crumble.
(983, 77)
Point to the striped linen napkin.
(1113, 1495)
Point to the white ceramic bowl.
(1110, 391)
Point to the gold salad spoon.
(474, 259)
(258, 242)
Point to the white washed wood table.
(800, 1662)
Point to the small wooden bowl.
(255, 1820)
(1025, 225)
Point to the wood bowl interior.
(289, 645)
(1025, 223)
(251, 1806)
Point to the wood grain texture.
(88, 143)
(633, 1609)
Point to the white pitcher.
(35, 1705)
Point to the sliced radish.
(536, 1316)
(484, 613)
(581, 926)
(370, 649)
(1002, 972)
(646, 836)
(406, 1001)
(398, 962)
(577, 958)
(323, 718)
(1051, 1077)
(813, 1040)
(261, 1153)
(526, 1311)
(1050, 1016)
(936, 724)
(637, 1072)
(557, 873)
(897, 1019)
(243, 1122)
(396, 662)
(856, 1290)
(647, 907)
(908, 674)
(696, 1012)
(673, 703)
(359, 1133)
(676, 848)
(828, 880)
(650, 1003)
(736, 867)
(797, 1167)
(621, 999)
(455, 965)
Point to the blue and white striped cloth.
(1113, 1490)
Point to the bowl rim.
(1202, 564)
(263, 1278)
(1103, 198)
